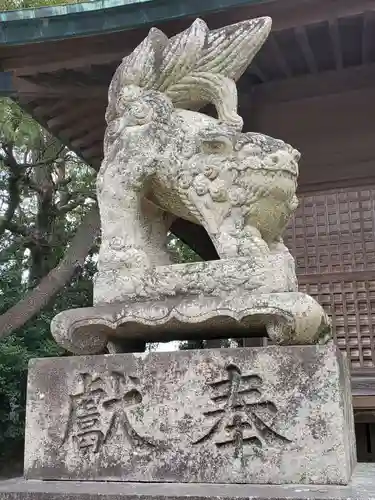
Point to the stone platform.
(273, 415)
(361, 487)
(288, 318)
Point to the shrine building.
(312, 85)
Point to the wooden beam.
(96, 150)
(94, 163)
(288, 14)
(311, 279)
(27, 89)
(99, 49)
(88, 138)
(363, 383)
(279, 56)
(305, 87)
(317, 187)
(51, 107)
(302, 38)
(336, 43)
(76, 113)
(293, 13)
(73, 130)
(13, 86)
(255, 70)
(71, 61)
(364, 402)
(364, 411)
(367, 36)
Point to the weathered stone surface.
(217, 278)
(165, 160)
(266, 415)
(361, 487)
(287, 318)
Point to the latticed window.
(332, 238)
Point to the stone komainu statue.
(163, 159)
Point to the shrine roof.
(58, 61)
(100, 17)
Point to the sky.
(167, 346)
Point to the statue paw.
(279, 331)
(227, 246)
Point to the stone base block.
(264, 415)
(287, 318)
(361, 487)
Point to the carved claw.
(279, 331)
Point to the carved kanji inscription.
(238, 421)
(98, 412)
(273, 415)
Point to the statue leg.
(282, 258)
(232, 238)
(123, 232)
(222, 228)
(156, 224)
(134, 234)
(134, 230)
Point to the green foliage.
(32, 341)
(181, 252)
(16, 126)
(51, 190)
(30, 4)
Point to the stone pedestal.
(361, 487)
(288, 318)
(264, 415)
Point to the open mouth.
(290, 171)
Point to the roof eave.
(25, 26)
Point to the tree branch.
(5, 252)
(71, 205)
(13, 202)
(14, 192)
(63, 182)
(42, 163)
(56, 279)
(15, 228)
(33, 185)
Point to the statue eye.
(217, 146)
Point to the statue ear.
(139, 69)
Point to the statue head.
(154, 99)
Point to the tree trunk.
(41, 252)
(56, 279)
